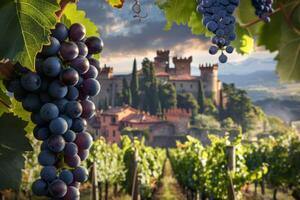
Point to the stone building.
(180, 75)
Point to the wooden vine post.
(231, 165)
(135, 182)
(95, 192)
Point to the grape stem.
(63, 4)
(251, 23)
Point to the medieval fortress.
(180, 76)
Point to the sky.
(126, 38)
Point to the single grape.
(58, 126)
(73, 109)
(49, 111)
(229, 49)
(60, 32)
(212, 26)
(17, 89)
(81, 64)
(72, 193)
(46, 158)
(70, 136)
(39, 187)
(52, 48)
(61, 104)
(77, 32)
(95, 45)
(83, 50)
(213, 50)
(68, 120)
(68, 51)
(31, 81)
(56, 143)
(48, 173)
(80, 174)
(41, 133)
(71, 149)
(91, 73)
(72, 161)
(37, 119)
(88, 109)
(223, 58)
(69, 76)
(57, 90)
(57, 188)
(83, 140)
(73, 93)
(95, 63)
(83, 154)
(91, 86)
(66, 176)
(51, 66)
(79, 125)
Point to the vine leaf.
(25, 28)
(72, 15)
(244, 43)
(196, 26)
(116, 3)
(13, 143)
(5, 102)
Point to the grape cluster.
(57, 95)
(263, 8)
(218, 19)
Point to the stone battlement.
(163, 53)
(182, 60)
(178, 112)
(106, 69)
(208, 67)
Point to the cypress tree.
(201, 97)
(134, 86)
(105, 106)
(126, 93)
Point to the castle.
(180, 76)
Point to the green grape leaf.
(178, 11)
(196, 26)
(267, 38)
(243, 43)
(5, 102)
(288, 66)
(25, 26)
(116, 3)
(73, 15)
(13, 143)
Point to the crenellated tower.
(183, 65)
(162, 60)
(106, 72)
(211, 84)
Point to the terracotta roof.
(116, 110)
(141, 118)
(162, 74)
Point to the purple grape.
(72, 161)
(48, 173)
(70, 136)
(31, 81)
(37, 119)
(39, 187)
(91, 86)
(83, 50)
(46, 158)
(31, 103)
(80, 174)
(51, 49)
(51, 66)
(58, 126)
(81, 64)
(71, 149)
(77, 32)
(95, 63)
(49, 111)
(41, 133)
(83, 141)
(95, 45)
(60, 32)
(73, 109)
(73, 93)
(66, 176)
(61, 104)
(223, 58)
(57, 90)
(72, 193)
(56, 143)
(57, 188)
(83, 154)
(88, 109)
(69, 76)
(91, 73)
(68, 51)
(68, 120)
(79, 125)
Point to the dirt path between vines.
(169, 189)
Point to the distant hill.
(265, 78)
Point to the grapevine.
(263, 8)
(57, 95)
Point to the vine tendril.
(136, 8)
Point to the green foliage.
(25, 26)
(73, 15)
(187, 101)
(167, 96)
(134, 86)
(205, 168)
(201, 97)
(126, 93)
(12, 147)
(206, 122)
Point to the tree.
(134, 86)
(126, 93)
(206, 122)
(201, 97)
(228, 123)
(210, 108)
(167, 96)
(187, 101)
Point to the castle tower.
(183, 65)
(162, 60)
(106, 72)
(211, 84)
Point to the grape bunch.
(218, 18)
(263, 8)
(57, 95)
